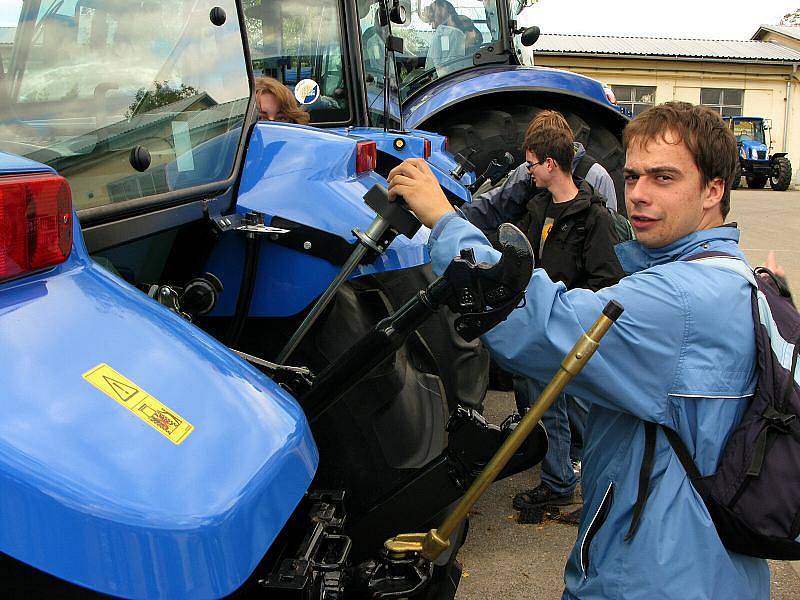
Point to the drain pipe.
(788, 113)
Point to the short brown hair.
(289, 107)
(551, 142)
(549, 118)
(710, 142)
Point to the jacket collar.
(579, 203)
(634, 257)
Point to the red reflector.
(366, 157)
(427, 149)
(35, 223)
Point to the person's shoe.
(541, 495)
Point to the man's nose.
(636, 192)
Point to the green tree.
(161, 94)
(791, 19)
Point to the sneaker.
(541, 495)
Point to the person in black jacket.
(573, 236)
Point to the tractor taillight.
(366, 157)
(446, 144)
(35, 223)
(427, 149)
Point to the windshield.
(299, 43)
(441, 37)
(88, 81)
(748, 130)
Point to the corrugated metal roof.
(7, 35)
(744, 50)
(792, 32)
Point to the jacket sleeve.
(505, 203)
(602, 183)
(599, 259)
(637, 359)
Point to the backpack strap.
(645, 470)
(722, 261)
(583, 167)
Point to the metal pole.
(375, 231)
(436, 541)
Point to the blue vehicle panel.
(11, 163)
(97, 497)
(440, 161)
(281, 178)
(502, 78)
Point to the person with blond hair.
(276, 103)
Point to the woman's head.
(275, 102)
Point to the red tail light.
(446, 144)
(366, 157)
(35, 223)
(427, 149)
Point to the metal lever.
(393, 219)
(430, 545)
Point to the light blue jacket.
(681, 355)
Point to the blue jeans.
(567, 416)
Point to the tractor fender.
(504, 78)
(108, 487)
(778, 155)
(307, 176)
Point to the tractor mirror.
(400, 12)
(529, 36)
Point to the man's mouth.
(642, 222)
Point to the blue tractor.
(219, 373)
(756, 163)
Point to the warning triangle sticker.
(121, 389)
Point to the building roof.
(712, 50)
(7, 35)
(792, 32)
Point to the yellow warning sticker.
(143, 405)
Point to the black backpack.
(622, 226)
(754, 496)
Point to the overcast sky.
(708, 19)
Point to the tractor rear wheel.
(737, 176)
(781, 174)
(756, 182)
(492, 131)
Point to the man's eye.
(630, 178)
(664, 177)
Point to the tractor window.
(299, 43)
(441, 37)
(373, 52)
(90, 83)
(748, 131)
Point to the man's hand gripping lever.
(484, 295)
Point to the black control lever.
(482, 294)
(497, 169)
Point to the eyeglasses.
(531, 165)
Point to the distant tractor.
(755, 162)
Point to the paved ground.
(504, 560)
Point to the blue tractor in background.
(219, 374)
(756, 163)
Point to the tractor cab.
(750, 136)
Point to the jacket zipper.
(594, 525)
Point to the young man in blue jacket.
(682, 355)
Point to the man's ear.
(713, 193)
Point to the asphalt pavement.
(503, 559)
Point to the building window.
(635, 98)
(728, 103)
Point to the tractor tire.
(781, 174)
(756, 182)
(484, 134)
(737, 176)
